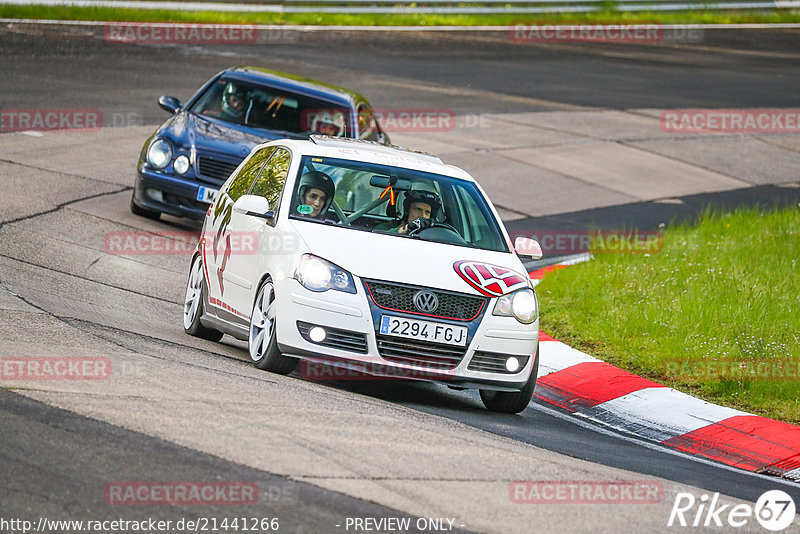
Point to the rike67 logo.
(774, 510)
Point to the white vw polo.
(375, 259)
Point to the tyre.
(142, 212)
(263, 339)
(512, 401)
(193, 304)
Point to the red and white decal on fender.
(490, 280)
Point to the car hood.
(399, 259)
(206, 135)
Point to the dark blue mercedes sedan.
(188, 158)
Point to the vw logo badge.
(425, 301)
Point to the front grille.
(335, 338)
(398, 297)
(216, 170)
(491, 362)
(420, 353)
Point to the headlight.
(522, 305)
(317, 274)
(181, 164)
(159, 154)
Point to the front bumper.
(178, 196)
(353, 341)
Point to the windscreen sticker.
(305, 209)
(490, 280)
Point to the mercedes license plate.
(206, 194)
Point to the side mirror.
(169, 103)
(528, 247)
(254, 206)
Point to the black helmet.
(316, 180)
(420, 195)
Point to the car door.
(221, 244)
(256, 238)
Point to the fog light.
(317, 334)
(512, 364)
(155, 194)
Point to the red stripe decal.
(470, 271)
(588, 384)
(494, 288)
(746, 441)
(512, 280)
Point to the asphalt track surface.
(53, 461)
(469, 73)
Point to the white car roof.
(372, 152)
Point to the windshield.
(395, 201)
(261, 106)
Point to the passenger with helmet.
(315, 194)
(421, 205)
(234, 101)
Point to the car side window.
(241, 183)
(270, 182)
(367, 127)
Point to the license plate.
(423, 330)
(206, 194)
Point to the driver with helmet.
(314, 194)
(420, 207)
(234, 101)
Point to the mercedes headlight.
(159, 154)
(316, 274)
(521, 305)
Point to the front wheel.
(263, 339)
(193, 304)
(512, 401)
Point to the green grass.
(724, 290)
(606, 16)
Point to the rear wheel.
(193, 304)
(142, 212)
(512, 401)
(263, 339)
